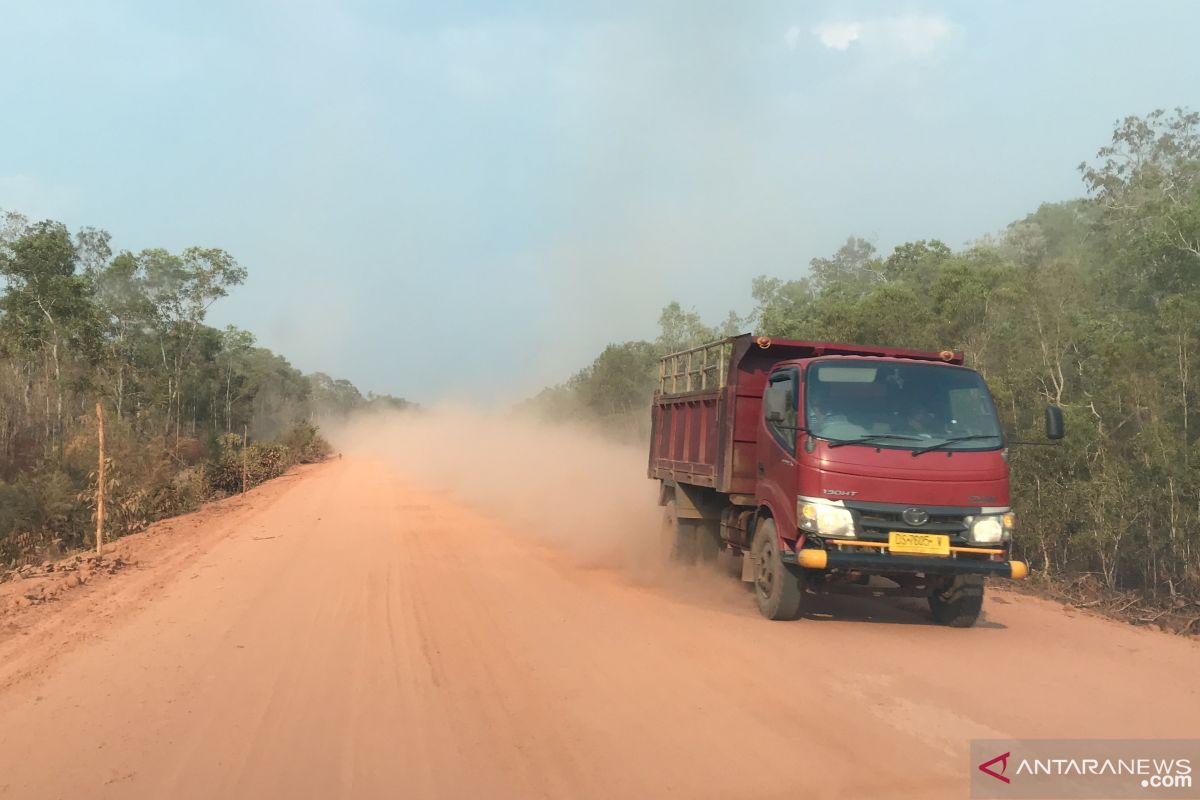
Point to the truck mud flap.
(748, 567)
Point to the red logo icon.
(1002, 760)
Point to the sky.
(469, 200)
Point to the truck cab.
(840, 468)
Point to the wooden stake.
(100, 481)
(245, 440)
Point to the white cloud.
(919, 36)
(838, 35)
(914, 37)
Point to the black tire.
(778, 588)
(679, 535)
(958, 604)
(708, 540)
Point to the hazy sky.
(465, 198)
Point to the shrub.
(305, 443)
(260, 462)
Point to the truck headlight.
(991, 528)
(824, 518)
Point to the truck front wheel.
(778, 589)
(958, 604)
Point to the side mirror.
(1055, 428)
(776, 403)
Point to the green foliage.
(38, 513)
(387, 402)
(681, 329)
(333, 397)
(620, 380)
(266, 461)
(1147, 186)
(615, 390)
(305, 444)
(224, 472)
(853, 265)
(255, 463)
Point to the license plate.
(926, 544)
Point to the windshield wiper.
(952, 440)
(872, 437)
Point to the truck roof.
(710, 366)
(796, 348)
(801, 349)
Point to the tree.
(127, 314)
(681, 329)
(915, 262)
(782, 308)
(181, 288)
(46, 306)
(621, 379)
(235, 347)
(854, 264)
(387, 402)
(1147, 183)
(333, 397)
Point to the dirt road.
(346, 633)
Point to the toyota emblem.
(915, 516)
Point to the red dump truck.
(836, 468)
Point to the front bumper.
(883, 563)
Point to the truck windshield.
(918, 407)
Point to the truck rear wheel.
(679, 535)
(778, 589)
(958, 604)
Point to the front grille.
(874, 521)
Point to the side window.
(779, 407)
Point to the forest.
(1092, 304)
(81, 324)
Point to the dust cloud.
(562, 485)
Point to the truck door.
(778, 475)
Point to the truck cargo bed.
(704, 428)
